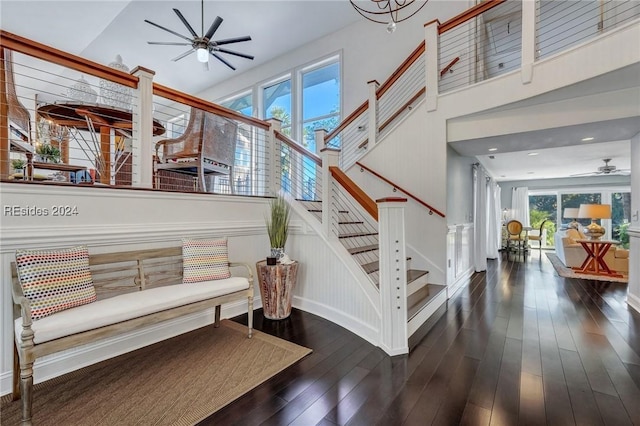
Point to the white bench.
(134, 289)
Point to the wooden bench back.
(129, 271)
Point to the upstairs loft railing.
(300, 170)
(486, 40)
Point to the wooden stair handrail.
(58, 57)
(432, 210)
(355, 191)
(404, 66)
(350, 119)
(298, 148)
(192, 101)
(468, 14)
(402, 108)
(448, 67)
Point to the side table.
(276, 284)
(594, 263)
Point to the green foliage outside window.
(536, 217)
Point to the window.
(276, 103)
(544, 207)
(242, 104)
(620, 217)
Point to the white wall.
(460, 183)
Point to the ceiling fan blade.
(168, 43)
(168, 30)
(213, 28)
(177, 58)
(231, 52)
(186, 24)
(232, 40)
(221, 59)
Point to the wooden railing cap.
(330, 149)
(141, 68)
(391, 200)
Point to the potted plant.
(277, 276)
(48, 153)
(278, 225)
(18, 164)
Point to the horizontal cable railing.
(209, 150)
(355, 217)
(480, 44)
(395, 187)
(300, 170)
(562, 24)
(80, 126)
(403, 85)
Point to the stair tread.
(353, 222)
(363, 249)
(320, 211)
(421, 298)
(414, 274)
(375, 266)
(358, 234)
(308, 201)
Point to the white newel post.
(320, 135)
(528, 39)
(275, 166)
(142, 131)
(432, 76)
(373, 112)
(633, 290)
(330, 157)
(393, 276)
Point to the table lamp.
(572, 213)
(594, 211)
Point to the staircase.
(360, 238)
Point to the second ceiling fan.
(203, 45)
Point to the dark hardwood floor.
(519, 345)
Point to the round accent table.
(276, 284)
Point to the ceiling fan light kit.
(203, 44)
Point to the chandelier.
(388, 11)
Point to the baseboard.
(64, 362)
(633, 301)
(462, 281)
(348, 322)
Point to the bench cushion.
(55, 280)
(128, 306)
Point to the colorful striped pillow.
(205, 260)
(55, 280)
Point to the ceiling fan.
(203, 45)
(607, 169)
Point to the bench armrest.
(244, 265)
(20, 300)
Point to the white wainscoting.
(118, 220)
(459, 256)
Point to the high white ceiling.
(101, 29)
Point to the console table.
(594, 263)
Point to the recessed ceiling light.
(532, 154)
(493, 149)
(590, 138)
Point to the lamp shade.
(594, 211)
(571, 212)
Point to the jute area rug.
(179, 381)
(566, 272)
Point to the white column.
(431, 63)
(393, 276)
(633, 290)
(528, 40)
(142, 149)
(373, 112)
(330, 157)
(275, 166)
